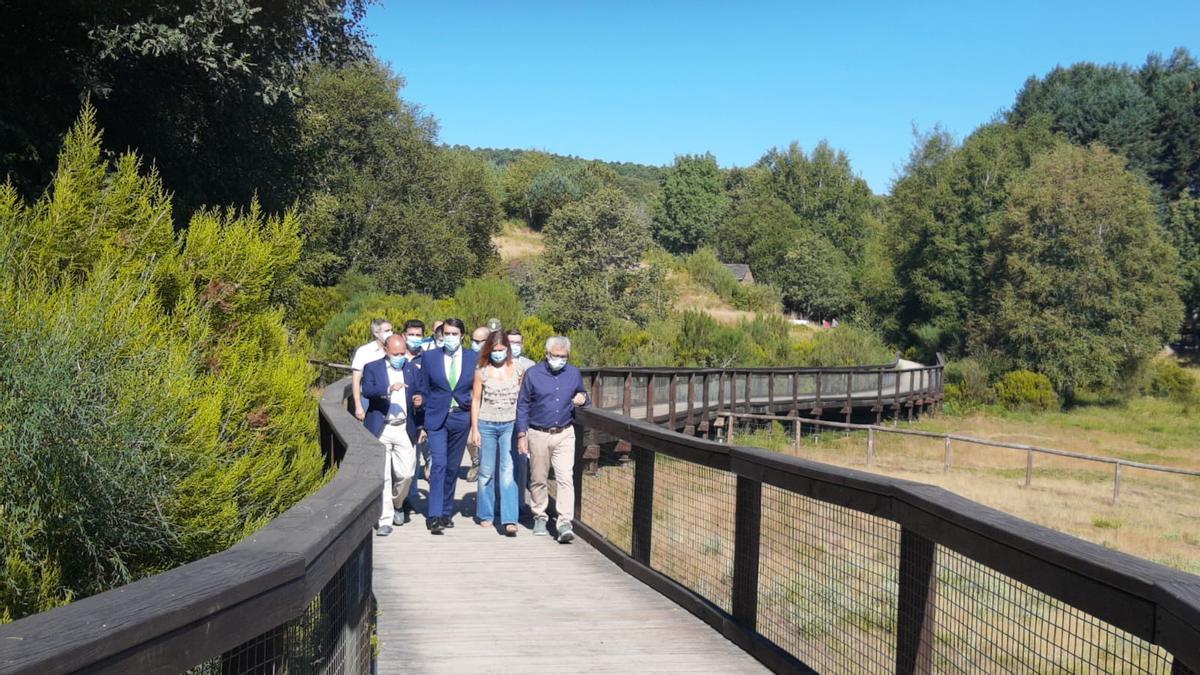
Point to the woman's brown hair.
(496, 339)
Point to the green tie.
(453, 372)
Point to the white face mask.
(452, 342)
(557, 362)
(383, 336)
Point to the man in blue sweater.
(550, 392)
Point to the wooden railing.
(811, 567)
(294, 594)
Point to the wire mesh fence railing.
(812, 567)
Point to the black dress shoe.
(434, 525)
(447, 523)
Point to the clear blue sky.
(645, 81)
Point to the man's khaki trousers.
(557, 450)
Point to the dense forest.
(198, 200)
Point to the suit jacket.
(375, 389)
(434, 385)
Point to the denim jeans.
(495, 440)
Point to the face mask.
(397, 361)
(516, 349)
(498, 355)
(385, 335)
(439, 343)
(476, 344)
(556, 362)
(452, 342)
(414, 343)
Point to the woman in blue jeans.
(497, 383)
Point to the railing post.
(690, 425)
(650, 398)
(1116, 482)
(795, 411)
(817, 400)
(746, 541)
(946, 461)
(896, 405)
(849, 398)
(796, 434)
(870, 445)
(749, 392)
(879, 398)
(720, 391)
(704, 414)
(673, 394)
(627, 394)
(1028, 467)
(771, 392)
(915, 604)
(643, 504)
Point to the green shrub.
(1167, 379)
(846, 345)
(153, 408)
(705, 269)
(969, 378)
(478, 300)
(536, 332)
(1026, 390)
(315, 305)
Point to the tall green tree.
(388, 201)
(207, 91)
(694, 203)
(592, 271)
(1083, 286)
(1183, 230)
(823, 190)
(937, 221)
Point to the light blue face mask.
(414, 343)
(556, 362)
(476, 344)
(516, 350)
(397, 361)
(498, 355)
(452, 342)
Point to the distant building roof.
(740, 271)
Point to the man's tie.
(453, 379)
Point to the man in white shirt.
(391, 399)
(372, 351)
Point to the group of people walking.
(434, 398)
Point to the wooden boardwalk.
(474, 601)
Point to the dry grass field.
(1157, 516)
(518, 243)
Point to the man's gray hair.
(376, 324)
(562, 340)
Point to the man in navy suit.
(447, 376)
(389, 385)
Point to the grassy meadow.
(1157, 516)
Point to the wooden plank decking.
(474, 601)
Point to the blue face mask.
(414, 343)
(498, 355)
(556, 363)
(452, 342)
(517, 349)
(397, 361)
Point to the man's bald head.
(395, 346)
(480, 334)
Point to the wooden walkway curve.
(474, 601)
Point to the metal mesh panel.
(332, 636)
(693, 527)
(606, 499)
(613, 389)
(987, 622)
(828, 583)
